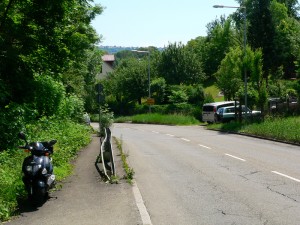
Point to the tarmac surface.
(85, 198)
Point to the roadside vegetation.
(277, 128)
(129, 172)
(155, 118)
(71, 138)
(49, 65)
(48, 70)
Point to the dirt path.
(85, 199)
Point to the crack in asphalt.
(284, 195)
(249, 174)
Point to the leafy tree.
(195, 94)
(49, 95)
(286, 39)
(197, 46)
(41, 43)
(80, 78)
(121, 55)
(38, 37)
(273, 26)
(221, 36)
(179, 66)
(260, 30)
(229, 75)
(129, 82)
(178, 94)
(158, 89)
(292, 7)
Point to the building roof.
(108, 58)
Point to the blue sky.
(143, 23)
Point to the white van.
(209, 110)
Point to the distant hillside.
(115, 49)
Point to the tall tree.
(129, 82)
(286, 38)
(41, 37)
(292, 6)
(178, 65)
(229, 75)
(220, 37)
(271, 24)
(261, 31)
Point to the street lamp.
(149, 85)
(245, 43)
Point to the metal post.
(245, 68)
(149, 81)
(245, 52)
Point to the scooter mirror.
(52, 142)
(22, 136)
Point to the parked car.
(209, 110)
(226, 114)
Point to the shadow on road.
(25, 205)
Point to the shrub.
(72, 107)
(158, 88)
(195, 94)
(48, 95)
(178, 96)
(12, 121)
(208, 98)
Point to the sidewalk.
(85, 199)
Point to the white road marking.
(141, 206)
(171, 135)
(284, 175)
(203, 146)
(235, 157)
(187, 140)
(156, 132)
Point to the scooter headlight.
(32, 169)
(29, 169)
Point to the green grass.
(155, 118)
(277, 128)
(70, 136)
(128, 170)
(214, 91)
(286, 129)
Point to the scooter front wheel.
(38, 197)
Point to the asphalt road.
(189, 175)
(183, 175)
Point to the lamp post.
(245, 43)
(149, 83)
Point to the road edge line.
(140, 204)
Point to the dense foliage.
(71, 137)
(277, 128)
(266, 57)
(48, 62)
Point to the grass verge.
(155, 118)
(277, 128)
(70, 136)
(129, 172)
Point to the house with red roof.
(107, 66)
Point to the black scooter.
(37, 169)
